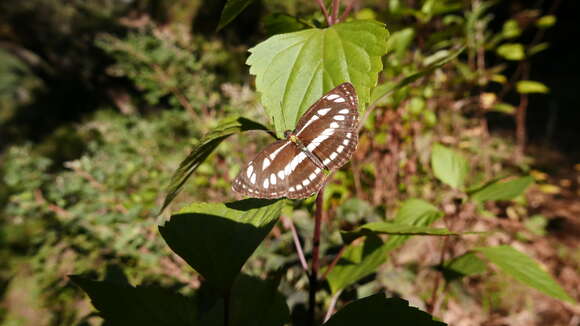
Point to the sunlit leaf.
(546, 21)
(206, 146)
(504, 108)
(231, 10)
(449, 166)
(294, 70)
(394, 229)
(524, 269)
(216, 239)
(123, 304)
(530, 86)
(511, 51)
(511, 29)
(378, 310)
(502, 189)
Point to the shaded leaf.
(387, 88)
(465, 265)
(378, 310)
(502, 189)
(206, 146)
(394, 229)
(530, 86)
(231, 10)
(121, 304)
(511, 51)
(294, 70)
(281, 23)
(216, 239)
(449, 166)
(524, 269)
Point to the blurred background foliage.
(101, 99)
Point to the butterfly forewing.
(328, 134)
(329, 129)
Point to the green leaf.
(511, 29)
(385, 89)
(511, 51)
(465, 265)
(122, 304)
(377, 310)
(206, 146)
(294, 70)
(449, 166)
(530, 86)
(216, 239)
(524, 269)
(546, 21)
(394, 229)
(231, 10)
(399, 41)
(504, 108)
(362, 259)
(538, 48)
(253, 302)
(504, 189)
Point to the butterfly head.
(290, 136)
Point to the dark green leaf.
(217, 239)
(524, 269)
(282, 23)
(465, 265)
(122, 304)
(449, 166)
(294, 70)
(205, 147)
(377, 310)
(387, 88)
(502, 189)
(394, 229)
(231, 10)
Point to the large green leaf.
(294, 70)
(362, 259)
(378, 310)
(122, 304)
(449, 166)
(394, 229)
(216, 239)
(502, 189)
(231, 10)
(524, 269)
(206, 146)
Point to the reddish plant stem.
(315, 266)
(290, 225)
(335, 7)
(521, 125)
(334, 262)
(347, 10)
(324, 12)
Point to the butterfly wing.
(280, 170)
(329, 129)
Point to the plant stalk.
(315, 265)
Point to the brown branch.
(324, 12)
(314, 267)
(347, 10)
(334, 262)
(289, 225)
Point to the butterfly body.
(297, 166)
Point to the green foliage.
(376, 309)
(396, 229)
(524, 269)
(231, 10)
(294, 70)
(228, 232)
(449, 166)
(502, 189)
(530, 86)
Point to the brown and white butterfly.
(297, 167)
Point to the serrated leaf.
(122, 304)
(511, 51)
(206, 146)
(362, 259)
(216, 239)
(384, 89)
(465, 265)
(524, 269)
(449, 166)
(294, 70)
(231, 10)
(394, 229)
(504, 189)
(378, 310)
(530, 86)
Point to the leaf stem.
(332, 306)
(334, 262)
(288, 224)
(335, 7)
(314, 267)
(324, 12)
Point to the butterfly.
(297, 166)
